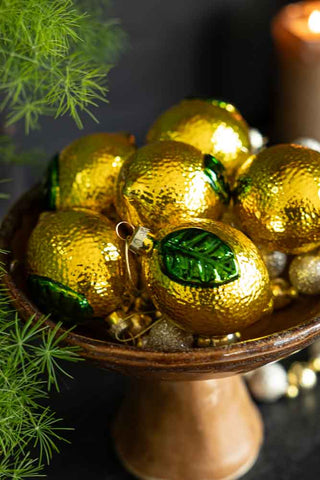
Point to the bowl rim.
(234, 358)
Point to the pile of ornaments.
(184, 242)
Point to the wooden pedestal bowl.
(188, 415)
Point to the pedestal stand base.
(203, 430)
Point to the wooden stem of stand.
(202, 430)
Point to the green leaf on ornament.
(196, 257)
(242, 187)
(51, 184)
(214, 170)
(59, 300)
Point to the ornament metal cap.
(141, 241)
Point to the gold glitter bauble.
(76, 265)
(277, 198)
(213, 127)
(282, 293)
(170, 182)
(207, 277)
(304, 273)
(85, 172)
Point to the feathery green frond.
(29, 366)
(54, 58)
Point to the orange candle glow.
(296, 33)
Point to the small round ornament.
(76, 267)
(85, 172)
(207, 277)
(275, 262)
(301, 375)
(277, 198)
(168, 183)
(257, 140)
(212, 126)
(282, 293)
(165, 336)
(268, 383)
(304, 273)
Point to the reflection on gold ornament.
(213, 127)
(282, 292)
(277, 198)
(304, 273)
(76, 265)
(207, 277)
(169, 183)
(85, 172)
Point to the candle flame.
(314, 21)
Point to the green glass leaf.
(214, 171)
(51, 184)
(59, 300)
(196, 257)
(242, 188)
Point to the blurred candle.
(296, 33)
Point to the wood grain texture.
(188, 430)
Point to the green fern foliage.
(30, 361)
(54, 58)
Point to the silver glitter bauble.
(268, 383)
(275, 262)
(304, 273)
(165, 336)
(257, 140)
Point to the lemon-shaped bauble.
(208, 277)
(211, 126)
(85, 172)
(170, 182)
(277, 198)
(75, 263)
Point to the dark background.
(177, 48)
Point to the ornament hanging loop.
(124, 230)
(127, 260)
(137, 240)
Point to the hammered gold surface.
(277, 198)
(212, 129)
(213, 310)
(81, 250)
(88, 169)
(165, 183)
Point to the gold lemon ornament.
(207, 277)
(168, 183)
(212, 126)
(76, 267)
(85, 172)
(276, 198)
